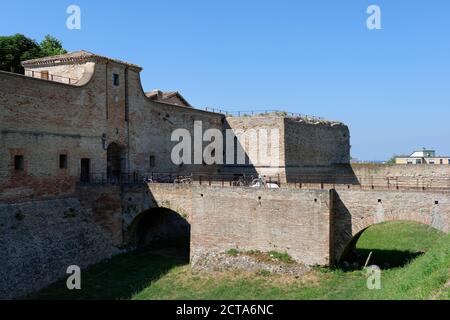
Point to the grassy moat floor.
(415, 260)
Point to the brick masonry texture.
(42, 119)
(313, 226)
(353, 211)
(292, 221)
(39, 240)
(48, 221)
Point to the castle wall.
(283, 220)
(39, 240)
(403, 176)
(151, 126)
(315, 149)
(305, 147)
(255, 151)
(399, 170)
(41, 120)
(309, 143)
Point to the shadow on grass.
(385, 259)
(118, 278)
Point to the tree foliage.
(51, 46)
(17, 48)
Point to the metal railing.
(264, 113)
(303, 181)
(50, 77)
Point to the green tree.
(51, 46)
(17, 48)
(391, 160)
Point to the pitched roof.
(76, 56)
(158, 95)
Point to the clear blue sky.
(391, 86)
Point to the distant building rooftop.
(172, 97)
(424, 156)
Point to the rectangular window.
(431, 162)
(85, 170)
(152, 162)
(44, 75)
(441, 161)
(63, 161)
(18, 163)
(116, 79)
(418, 161)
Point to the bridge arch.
(354, 211)
(158, 227)
(348, 251)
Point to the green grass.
(118, 278)
(262, 256)
(145, 276)
(232, 252)
(281, 256)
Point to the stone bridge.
(40, 239)
(316, 227)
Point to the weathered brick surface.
(315, 144)
(114, 209)
(354, 211)
(292, 221)
(39, 240)
(304, 146)
(400, 170)
(42, 119)
(104, 205)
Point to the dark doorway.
(115, 155)
(85, 170)
(163, 231)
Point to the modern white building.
(424, 156)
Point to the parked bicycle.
(183, 179)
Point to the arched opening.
(388, 245)
(115, 162)
(161, 230)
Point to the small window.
(63, 161)
(44, 75)
(116, 79)
(441, 161)
(431, 162)
(418, 161)
(152, 162)
(18, 163)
